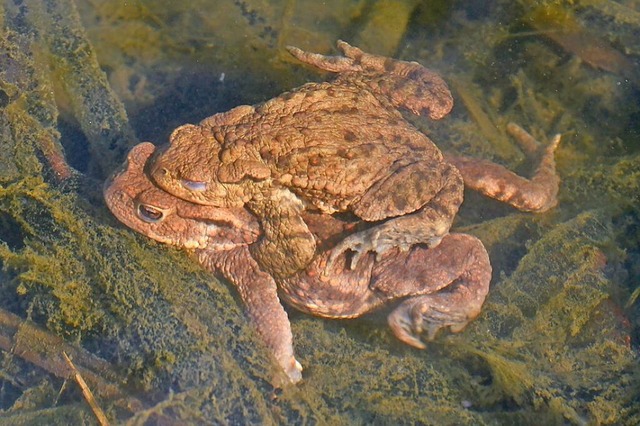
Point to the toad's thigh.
(424, 270)
(407, 189)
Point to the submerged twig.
(86, 392)
(23, 339)
(485, 123)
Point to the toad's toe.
(427, 314)
(403, 328)
(359, 243)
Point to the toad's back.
(327, 142)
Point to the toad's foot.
(430, 313)
(406, 84)
(292, 369)
(379, 240)
(419, 208)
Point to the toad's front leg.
(259, 294)
(286, 246)
(421, 200)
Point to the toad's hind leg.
(421, 202)
(456, 276)
(537, 194)
(406, 84)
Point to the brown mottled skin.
(443, 286)
(339, 146)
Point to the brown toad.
(338, 146)
(439, 287)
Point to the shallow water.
(557, 341)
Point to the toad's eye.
(194, 185)
(149, 214)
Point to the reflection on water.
(557, 340)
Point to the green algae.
(565, 272)
(46, 43)
(384, 25)
(88, 279)
(549, 347)
(149, 48)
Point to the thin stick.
(86, 392)
(39, 347)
